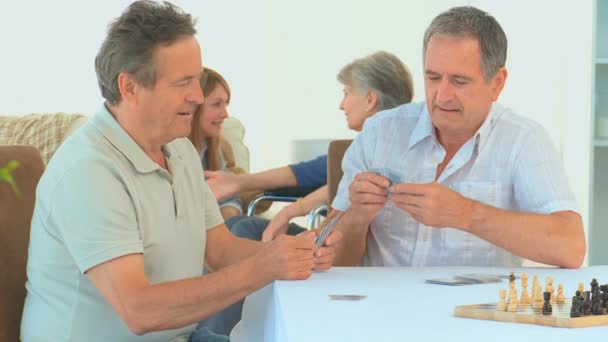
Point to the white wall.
(48, 51)
(281, 58)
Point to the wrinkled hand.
(368, 195)
(326, 254)
(277, 226)
(289, 257)
(222, 184)
(433, 204)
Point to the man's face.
(355, 107)
(165, 110)
(457, 94)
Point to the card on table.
(347, 297)
(480, 278)
(450, 281)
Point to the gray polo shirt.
(102, 197)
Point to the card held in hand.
(326, 231)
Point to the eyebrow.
(459, 76)
(187, 78)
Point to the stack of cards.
(393, 176)
(467, 279)
(320, 240)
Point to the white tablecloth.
(399, 306)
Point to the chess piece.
(525, 299)
(513, 304)
(586, 306)
(533, 290)
(538, 298)
(560, 294)
(581, 287)
(502, 305)
(547, 309)
(511, 278)
(604, 289)
(549, 288)
(575, 309)
(594, 284)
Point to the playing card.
(347, 297)
(394, 177)
(480, 278)
(450, 281)
(326, 231)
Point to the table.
(399, 306)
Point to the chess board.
(528, 315)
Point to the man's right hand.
(288, 257)
(222, 184)
(368, 193)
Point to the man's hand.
(433, 204)
(222, 184)
(277, 226)
(325, 255)
(368, 195)
(288, 257)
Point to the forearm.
(555, 239)
(238, 250)
(179, 303)
(351, 249)
(266, 180)
(306, 204)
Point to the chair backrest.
(335, 153)
(15, 219)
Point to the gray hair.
(472, 22)
(382, 72)
(131, 41)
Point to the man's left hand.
(325, 255)
(433, 204)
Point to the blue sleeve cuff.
(311, 173)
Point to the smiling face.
(458, 96)
(213, 112)
(165, 110)
(357, 107)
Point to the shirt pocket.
(467, 249)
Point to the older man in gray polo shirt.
(124, 219)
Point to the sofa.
(32, 140)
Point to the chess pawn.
(502, 305)
(560, 294)
(513, 305)
(525, 299)
(581, 287)
(547, 309)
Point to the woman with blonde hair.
(216, 154)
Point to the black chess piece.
(575, 309)
(547, 309)
(511, 277)
(594, 284)
(586, 304)
(604, 289)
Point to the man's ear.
(498, 83)
(372, 101)
(127, 86)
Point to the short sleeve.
(213, 216)
(539, 181)
(311, 173)
(94, 214)
(356, 160)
